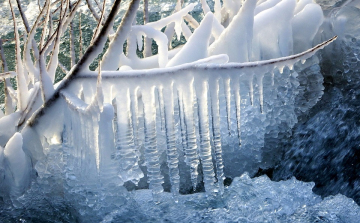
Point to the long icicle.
(172, 155)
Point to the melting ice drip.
(189, 107)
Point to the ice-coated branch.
(91, 53)
(80, 37)
(111, 58)
(8, 103)
(176, 17)
(72, 46)
(27, 56)
(27, 27)
(68, 18)
(23, 17)
(97, 29)
(51, 68)
(22, 91)
(47, 18)
(63, 68)
(147, 41)
(217, 62)
(92, 10)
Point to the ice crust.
(245, 200)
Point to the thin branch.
(26, 54)
(72, 47)
(46, 21)
(51, 68)
(69, 18)
(63, 68)
(99, 23)
(80, 38)
(92, 10)
(8, 101)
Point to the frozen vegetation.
(111, 139)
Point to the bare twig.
(69, 18)
(63, 68)
(99, 23)
(46, 21)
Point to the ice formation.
(173, 121)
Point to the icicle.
(228, 102)
(215, 111)
(160, 107)
(172, 155)
(139, 41)
(281, 69)
(291, 66)
(187, 95)
(205, 147)
(106, 144)
(182, 132)
(151, 153)
(135, 118)
(251, 88)
(129, 158)
(260, 78)
(235, 86)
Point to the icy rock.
(248, 200)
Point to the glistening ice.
(187, 119)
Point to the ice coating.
(239, 32)
(280, 34)
(178, 121)
(17, 164)
(308, 21)
(196, 47)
